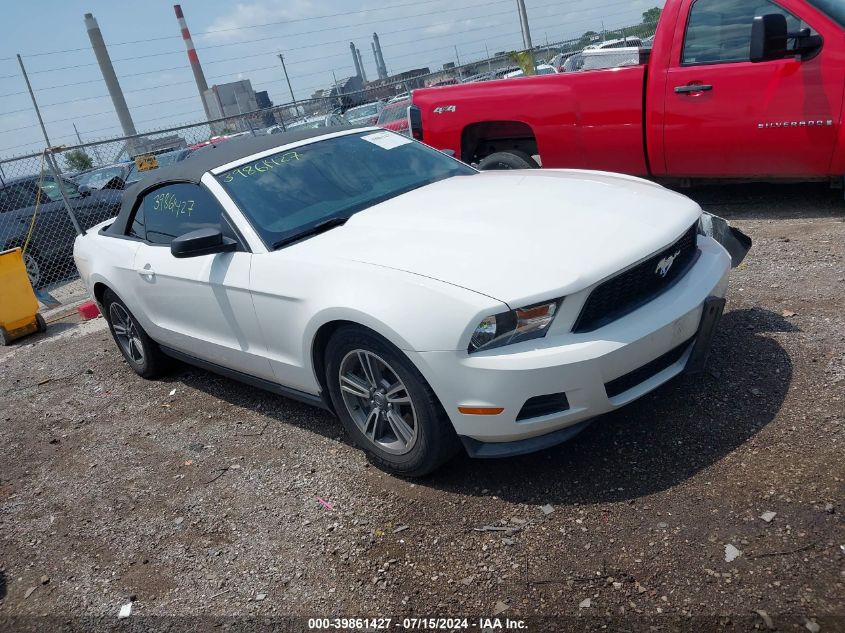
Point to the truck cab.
(730, 90)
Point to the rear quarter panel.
(108, 260)
(590, 119)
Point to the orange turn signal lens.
(481, 410)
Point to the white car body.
(451, 253)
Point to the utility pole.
(337, 91)
(34, 102)
(487, 51)
(48, 154)
(295, 105)
(96, 152)
(526, 31)
(458, 59)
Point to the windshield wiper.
(321, 227)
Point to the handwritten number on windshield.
(261, 166)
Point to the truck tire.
(512, 159)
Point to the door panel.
(201, 306)
(726, 116)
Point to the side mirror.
(201, 242)
(768, 37)
(84, 190)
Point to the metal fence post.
(51, 160)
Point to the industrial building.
(230, 100)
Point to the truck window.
(719, 31)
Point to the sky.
(240, 40)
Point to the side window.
(137, 229)
(720, 30)
(18, 196)
(173, 210)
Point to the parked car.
(606, 58)
(318, 121)
(559, 60)
(165, 159)
(539, 69)
(374, 276)
(43, 225)
(108, 177)
(366, 114)
(759, 96)
(405, 96)
(395, 117)
(622, 42)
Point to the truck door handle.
(693, 88)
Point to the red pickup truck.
(731, 89)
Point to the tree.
(77, 160)
(652, 15)
(524, 60)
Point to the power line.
(239, 28)
(415, 54)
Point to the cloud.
(232, 26)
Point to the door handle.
(693, 88)
(147, 272)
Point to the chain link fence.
(46, 198)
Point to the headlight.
(522, 324)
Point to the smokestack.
(375, 56)
(382, 67)
(355, 60)
(199, 77)
(361, 65)
(103, 59)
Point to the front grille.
(638, 285)
(641, 374)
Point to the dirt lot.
(200, 497)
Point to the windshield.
(99, 177)
(361, 111)
(833, 8)
(292, 191)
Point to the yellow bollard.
(18, 305)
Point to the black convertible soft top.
(207, 158)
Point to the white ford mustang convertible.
(428, 305)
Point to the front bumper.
(599, 371)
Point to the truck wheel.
(512, 159)
(41, 323)
(4, 337)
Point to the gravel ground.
(196, 496)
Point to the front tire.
(385, 404)
(139, 350)
(512, 159)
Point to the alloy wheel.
(378, 401)
(33, 270)
(126, 333)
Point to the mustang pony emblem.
(665, 264)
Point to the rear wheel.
(139, 350)
(385, 404)
(512, 159)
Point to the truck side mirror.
(768, 37)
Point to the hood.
(516, 236)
